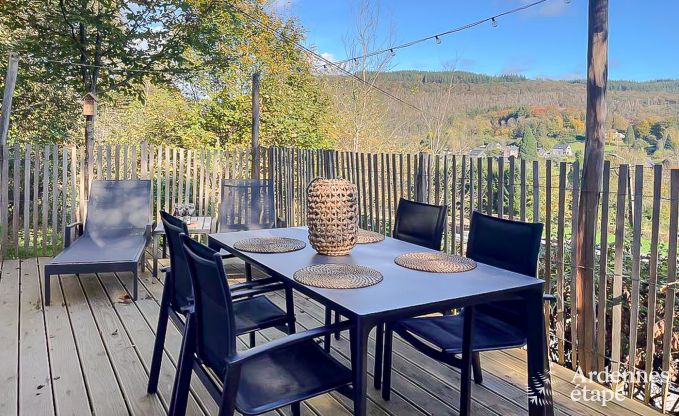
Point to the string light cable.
(326, 62)
(438, 36)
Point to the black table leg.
(466, 378)
(359, 365)
(540, 400)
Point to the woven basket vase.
(332, 216)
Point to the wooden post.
(597, 78)
(10, 82)
(255, 125)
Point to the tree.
(630, 137)
(99, 46)
(669, 143)
(528, 147)
(364, 121)
(199, 54)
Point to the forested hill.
(439, 77)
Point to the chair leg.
(328, 321)
(338, 334)
(290, 309)
(182, 380)
(386, 371)
(476, 368)
(379, 352)
(252, 340)
(135, 284)
(248, 272)
(47, 289)
(159, 343)
(296, 408)
(228, 405)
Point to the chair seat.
(445, 332)
(93, 250)
(288, 375)
(255, 313)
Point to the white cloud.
(327, 55)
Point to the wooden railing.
(42, 188)
(636, 252)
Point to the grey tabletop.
(401, 288)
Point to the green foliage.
(528, 147)
(669, 143)
(630, 137)
(182, 72)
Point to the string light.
(437, 37)
(335, 65)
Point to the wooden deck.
(90, 353)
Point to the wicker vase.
(332, 216)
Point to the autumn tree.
(630, 137)
(528, 147)
(99, 46)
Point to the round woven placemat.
(269, 245)
(338, 276)
(435, 262)
(367, 237)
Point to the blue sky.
(547, 41)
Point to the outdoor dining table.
(406, 293)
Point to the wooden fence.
(636, 251)
(43, 188)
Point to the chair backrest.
(247, 205)
(182, 288)
(509, 245)
(118, 208)
(420, 223)
(215, 329)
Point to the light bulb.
(493, 22)
(438, 40)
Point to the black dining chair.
(283, 372)
(247, 204)
(509, 245)
(420, 223)
(252, 310)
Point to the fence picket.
(560, 277)
(616, 301)
(652, 277)
(670, 289)
(603, 271)
(636, 254)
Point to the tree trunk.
(597, 78)
(89, 154)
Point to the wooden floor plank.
(563, 377)
(97, 344)
(35, 384)
(70, 394)
(142, 337)
(9, 337)
(102, 383)
(126, 364)
(150, 293)
(430, 397)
